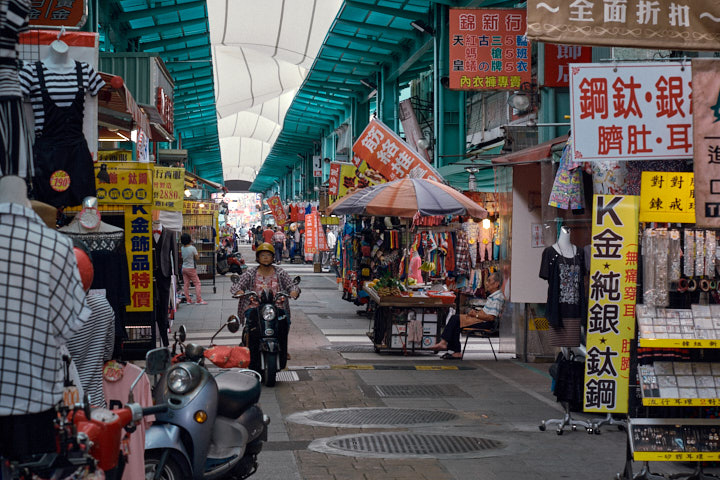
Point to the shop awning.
(535, 154)
(120, 101)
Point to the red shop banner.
(386, 153)
(58, 13)
(311, 233)
(334, 178)
(488, 49)
(631, 111)
(557, 62)
(276, 207)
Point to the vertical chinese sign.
(667, 197)
(557, 62)
(168, 187)
(611, 307)
(138, 245)
(276, 207)
(389, 156)
(706, 127)
(311, 233)
(488, 49)
(334, 179)
(631, 111)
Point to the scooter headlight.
(179, 380)
(268, 312)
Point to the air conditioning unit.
(167, 156)
(520, 137)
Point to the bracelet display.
(682, 285)
(692, 285)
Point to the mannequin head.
(13, 189)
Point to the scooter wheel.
(172, 470)
(270, 370)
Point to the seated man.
(487, 318)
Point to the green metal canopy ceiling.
(366, 37)
(177, 30)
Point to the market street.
(333, 367)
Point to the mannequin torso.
(58, 60)
(563, 245)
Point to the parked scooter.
(265, 332)
(236, 263)
(221, 262)
(89, 438)
(213, 427)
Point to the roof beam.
(350, 63)
(368, 42)
(155, 11)
(184, 26)
(404, 66)
(346, 76)
(377, 57)
(382, 30)
(393, 12)
(185, 53)
(163, 42)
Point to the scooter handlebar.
(155, 409)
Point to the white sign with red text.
(631, 111)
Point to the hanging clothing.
(64, 171)
(567, 191)
(566, 290)
(116, 394)
(15, 138)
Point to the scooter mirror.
(235, 278)
(296, 280)
(183, 333)
(233, 323)
(157, 361)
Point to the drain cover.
(403, 444)
(287, 376)
(378, 417)
(448, 390)
(352, 348)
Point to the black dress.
(566, 303)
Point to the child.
(189, 256)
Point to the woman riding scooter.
(265, 276)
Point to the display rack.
(389, 327)
(201, 224)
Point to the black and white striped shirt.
(91, 345)
(62, 88)
(13, 19)
(42, 303)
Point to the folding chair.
(476, 332)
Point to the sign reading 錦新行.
(611, 306)
(631, 111)
(488, 49)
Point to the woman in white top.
(189, 257)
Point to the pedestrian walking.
(278, 239)
(189, 257)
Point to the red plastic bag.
(225, 356)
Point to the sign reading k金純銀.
(631, 111)
(611, 306)
(657, 24)
(667, 197)
(138, 245)
(706, 122)
(488, 49)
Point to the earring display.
(674, 256)
(674, 435)
(689, 254)
(699, 253)
(710, 253)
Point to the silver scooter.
(213, 427)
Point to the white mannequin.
(563, 245)
(13, 189)
(89, 208)
(157, 226)
(58, 60)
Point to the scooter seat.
(236, 392)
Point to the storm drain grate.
(287, 376)
(372, 417)
(447, 390)
(402, 444)
(352, 348)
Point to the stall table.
(393, 315)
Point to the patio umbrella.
(405, 198)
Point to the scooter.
(236, 263)
(213, 427)
(265, 332)
(89, 438)
(222, 262)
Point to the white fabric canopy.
(262, 51)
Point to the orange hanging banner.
(277, 209)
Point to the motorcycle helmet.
(85, 266)
(264, 247)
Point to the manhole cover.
(287, 376)
(352, 348)
(402, 445)
(372, 417)
(448, 390)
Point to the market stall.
(200, 221)
(407, 315)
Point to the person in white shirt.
(189, 256)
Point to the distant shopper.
(189, 257)
(268, 234)
(278, 239)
